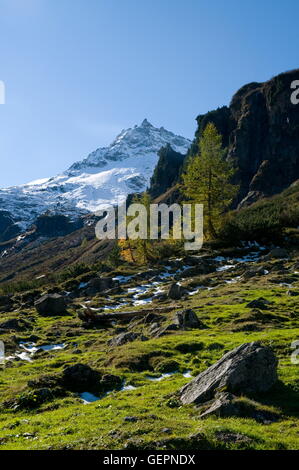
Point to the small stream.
(88, 397)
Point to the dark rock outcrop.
(8, 227)
(260, 303)
(187, 319)
(277, 253)
(51, 304)
(56, 225)
(247, 369)
(14, 324)
(260, 128)
(80, 377)
(166, 172)
(97, 285)
(176, 291)
(227, 405)
(123, 338)
(6, 303)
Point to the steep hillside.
(106, 371)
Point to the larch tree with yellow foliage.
(207, 179)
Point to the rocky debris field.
(193, 353)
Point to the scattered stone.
(252, 272)
(80, 377)
(51, 304)
(234, 437)
(110, 382)
(98, 285)
(215, 346)
(277, 253)
(226, 405)
(176, 291)
(187, 319)
(6, 303)
(152, 318)
(247, 369)
(160, 297)
(292, 293)
(164, 330)
(130, 419)
(260, 303)
(123, 338)
(248, 326)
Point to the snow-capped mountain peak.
(106, 176)
(137, 141)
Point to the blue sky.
(79, 71)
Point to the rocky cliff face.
(261, 131)
(167, 171)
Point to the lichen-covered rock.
(248, 369)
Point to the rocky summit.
(106, 176)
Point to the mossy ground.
(162, 423)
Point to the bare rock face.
(260, 131)
(50, 304)
(247, 369)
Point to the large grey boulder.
(51, 304)
(248, 369)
